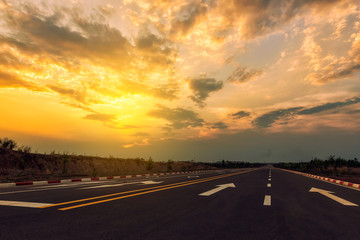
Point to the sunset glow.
(240, 80)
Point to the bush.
(8, 143)
(149, 164)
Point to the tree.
(8, 143)
(169, 165)
(149, 164)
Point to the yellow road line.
(155, 190)
(120, 193)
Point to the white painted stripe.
(267, 200)
(356, 185)
(86, 179)
(40, 182)
(102, 178)
(269, 179)
(7, 185)
(269, 185)
(116, 177)
(108, 185)
(65, 181)
(23, 204)
(128, 176)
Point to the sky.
(240, 80)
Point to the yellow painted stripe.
(120, 193)
(155, 190)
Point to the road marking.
(155, 189)
(333, 197)
(269, 179)
(122, 184)
(192, 176)
(115, 194)
(67, 185)
(219, 188)
(176, 185)
(45, 188)
(267, 200)
(109, 185)
(269, 185)
(24, 204)
(150, 182)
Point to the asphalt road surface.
(238, 204)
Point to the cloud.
(77, 95)
(265, 120)
(241, 75)
(168, 92)
(240, 114)
(125, 87)
(100, 117)
(329, 106)
(66, 38)
(343, 67)
(140, 134)
(257, 18)
(12, 80)
(202, 87)
(188, 16)
(143, 142)
(248, 18)
(336, 70)
(218, 125)
(178, 117)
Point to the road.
(243, 204)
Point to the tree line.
(331, 165)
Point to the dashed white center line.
(269, 185)
(269, 179)
(267, 200)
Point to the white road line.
(68, 185)
(109, 185)
(269, 185)
(267, 200)
(121, 184)
(23, 204)
(269, 179)
(215, 190)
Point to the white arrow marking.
(215, 190)
(333, 197)
(23, 204)
(150, 182)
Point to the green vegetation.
(235, 164)
(8, 143)
(20, 164)
(330, 167)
